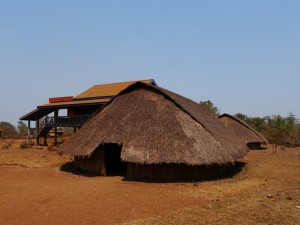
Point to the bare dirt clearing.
(33, 190)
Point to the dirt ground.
(33, 190)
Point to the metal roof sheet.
(35, 114)
(108, 90)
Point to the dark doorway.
(114, 165)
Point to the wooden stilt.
(29, 135)
(37, 131)
(45, 140)
(55, 128)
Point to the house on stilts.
(79, 109)
(146, 132)
(251, 137)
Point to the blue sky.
(241, 55)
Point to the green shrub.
(25, 145)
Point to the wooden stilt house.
(79, 108)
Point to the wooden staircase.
(43, 131)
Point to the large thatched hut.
(251, 137)
(149, 132)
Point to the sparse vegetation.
(25, 145)
(279, 130)
(9, 130)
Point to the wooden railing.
(63, 121)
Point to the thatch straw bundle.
(157, 126)
(242, 129)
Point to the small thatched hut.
(149, 132)
(251, 137)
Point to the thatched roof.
(157, 126)
(242, 129)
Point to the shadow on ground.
(230, 173)
(69, 167)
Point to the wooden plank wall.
(94, 163)
(166, 172)
(174, 171)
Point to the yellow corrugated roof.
(75, 102)
(108, 89)
(100, 90)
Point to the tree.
(208, 105)
(241, 116)
(295, 137)
(257, 123)
(22, 128)
(290, 130)
(9, 131)
(280, 129)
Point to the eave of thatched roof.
(156, 126)
(242, 129)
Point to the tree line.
(11, 132)
(277, 129)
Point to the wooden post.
(55, 127)
(45, 140)
(28, 127)
(102, 161)
(37, 131)
(28, 137)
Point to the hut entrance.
(113, 164)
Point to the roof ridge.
(111, 88)
(122, 82)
